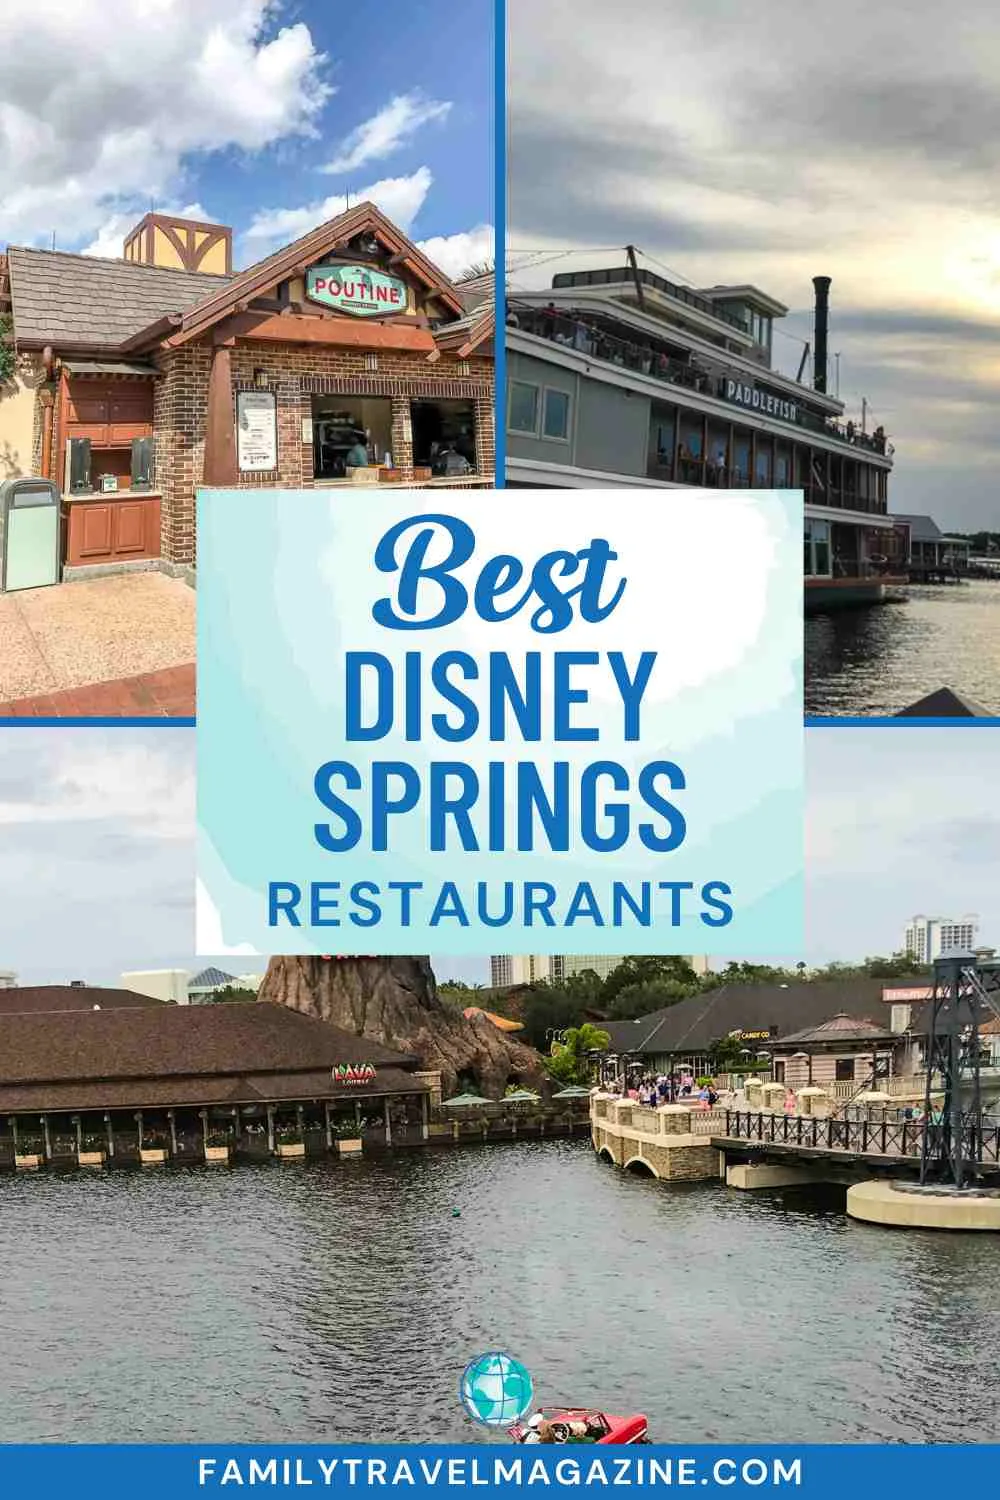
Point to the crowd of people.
(670, 1088)
(572, 331)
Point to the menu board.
(256, 431)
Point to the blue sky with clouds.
(260, 115)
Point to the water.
(881, 659)
(340, 1301)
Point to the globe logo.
(496, 1390)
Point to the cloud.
(400, 198)
(874, 158)
(96, 851)
(103, 102)
(144, 784)
(455, 254)
(394, 126)
(110, 238)
(895, 825)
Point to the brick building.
(344, 358)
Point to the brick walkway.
(106, 647)
(167, 694)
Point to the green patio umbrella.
(520, 1096)
(461, 1100)
(572, 1093)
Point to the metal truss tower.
(966, 993)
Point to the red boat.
(581, 1424)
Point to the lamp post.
(807, 1057)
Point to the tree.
(478, 268)
(643, 999)
(548, 1008)
(7, 352)
(230, 992)
(457, 992)
(569, 1063)
(646, 968)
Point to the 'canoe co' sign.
(357, 290)
(353, 1073)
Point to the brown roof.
(68, 997)
(839, 1028)
(324, 239)
(467, 335)
(223, 1088)
(477, 291)
(86, 302)
(162, 1041)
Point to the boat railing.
(646, 359)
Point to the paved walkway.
(152, 695)
(122, 646)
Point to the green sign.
(358, 290)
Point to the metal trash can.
(29, 533)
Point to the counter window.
(347, 429)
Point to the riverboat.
(619, 377)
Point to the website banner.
(177, 1471)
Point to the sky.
(259, 115)
(773, 142)
(97, 847)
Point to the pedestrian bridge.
(758, 1148)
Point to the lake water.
(341, 1301)
(879, 660)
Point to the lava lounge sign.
(353, 1073)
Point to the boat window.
(522, 407)
(555, 415)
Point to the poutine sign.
(353, 1073)
(358, 290)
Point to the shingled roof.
(86, 302)
(840, 1028)
(169, 1054)
(34, 999)
(697, 1024)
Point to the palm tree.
(478, 268)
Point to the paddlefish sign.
(566, 720)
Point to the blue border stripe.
(500, 230)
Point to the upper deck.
(714, 344)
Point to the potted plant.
(347, 1137)
(288, 1141)
(152, 1149)
(217, 1147)
(91, 1153)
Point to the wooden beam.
(344, 333)
(220, 423)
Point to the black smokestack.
(822, 285)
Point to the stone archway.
(639, 1167)
(605, 1154)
